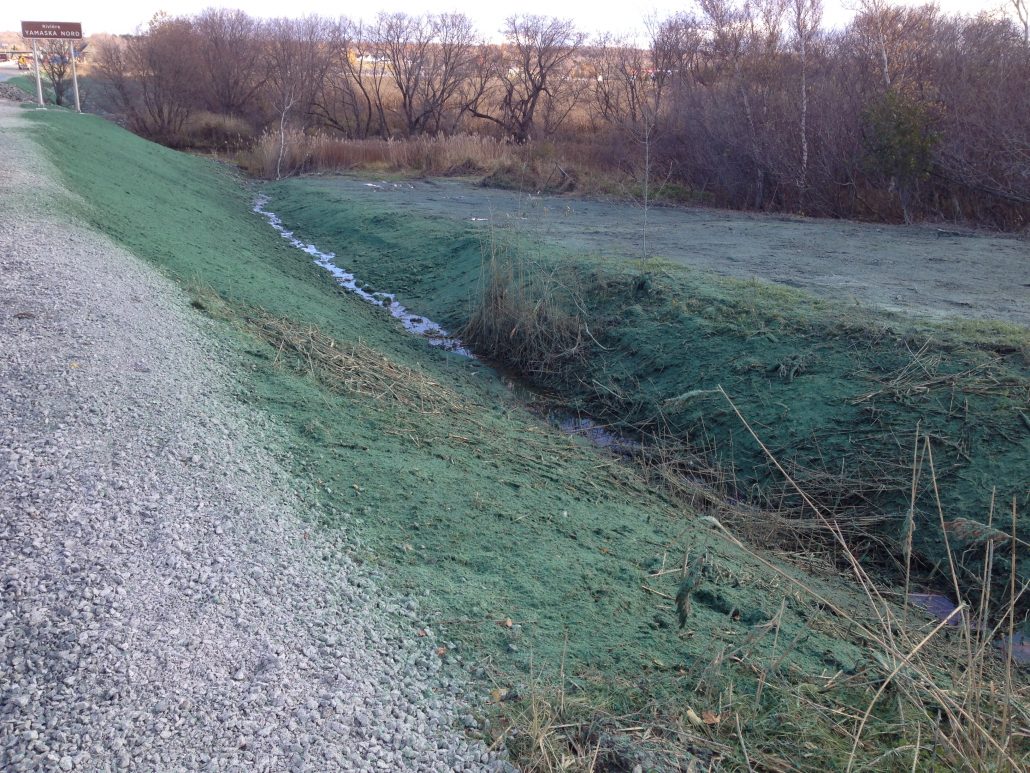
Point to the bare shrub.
(230, 48)
(151, 79)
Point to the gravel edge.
(163, 603)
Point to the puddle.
(938, 606)
(1019, 647)
(943, 608)
(413, 323)
(597, 434)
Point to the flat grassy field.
(926, 270)
(595, 611)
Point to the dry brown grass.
(551, 730)
(216, 132)
(440, 155)
(961, 699)
(352, 367)
(935, 694)
(556, 167)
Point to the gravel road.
(163, 603)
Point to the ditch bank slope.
(897, 424)
(165, 604)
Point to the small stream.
(436, 335)
(413, 323)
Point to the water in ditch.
(593, 431)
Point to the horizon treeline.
(904, 114)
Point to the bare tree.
(743, 43)
(628, 87)
(429, 58)
(342, 103)
(1023, 12)
(55, 61)
(900, 41)
(805, 16)
(229, 48)
(355, 86)
(485, 68)
(452, 67)
(540, 51)
(299, 55)
(628, 97)
(152, 77)
(984, 138)
(403, 43)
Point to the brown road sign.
(52, 30)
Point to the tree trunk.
(803, 172)
(287, 104)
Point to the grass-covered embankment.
(458, 494)
(849, 401)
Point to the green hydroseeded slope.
(467, 502)
(836, 393)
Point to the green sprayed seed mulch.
(463, 498)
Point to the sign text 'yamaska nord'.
(52, 30)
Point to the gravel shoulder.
(163, 602)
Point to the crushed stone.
(164, 601)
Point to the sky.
(591, 16)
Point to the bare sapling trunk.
(288, 100)
(803, 172)
(647, 184)
(755, 150)
(1023, 12)
(806, 16)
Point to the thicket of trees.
(907, 113)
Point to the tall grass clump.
(530, 319)
(431, 155)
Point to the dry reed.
(463, 154)
(353, 367)
(527, 319)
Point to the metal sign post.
(75, 77)
(52, 30)
(39, 81)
